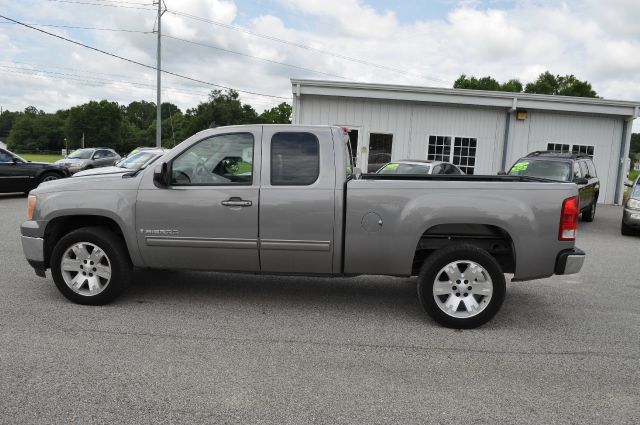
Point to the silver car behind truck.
(286, 199)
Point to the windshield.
(81, 154)
(139, 160)
(399, 168)
(552, 170)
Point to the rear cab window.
(295, 159)
(583, 167)
(592, 168)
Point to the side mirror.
(161, 175)
(581, 180)
(628, 183)
(502, 173)
(357, 172)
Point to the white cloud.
(597, 41)
(355, 17)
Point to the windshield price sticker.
(392, 167)
(520, 166)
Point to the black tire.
(627, 230)
(589, 214)
(118, 257)
(463, 252)
(49, 176)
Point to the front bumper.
(34, 252)
(631, 217)
(570, 261)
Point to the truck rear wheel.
(91, 266)
(461, 286)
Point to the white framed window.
(558, 147)
(583, 149)
(462, 153)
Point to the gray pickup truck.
(286, 199)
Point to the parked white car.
(135, 162)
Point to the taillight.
(31, 205)
(569, 219)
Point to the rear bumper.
(34, 252)
(570, 261)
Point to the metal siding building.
(478, 130)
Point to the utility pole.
(158, 77)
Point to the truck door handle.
(236, 202)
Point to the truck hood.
(106, 182)
(102, 170)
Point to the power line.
(93, 81)
(303, 46)
(103, 4)
(276, 39)
(89, 80)
(82, 28)
(140, 63)
(123, 2)
(256, 57)
(192, 42)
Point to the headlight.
(31, 206)
(634, 204)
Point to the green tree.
(140, 113)
(7, 119)
(486, 83)
(100, 122)
(561, 85)
(280, 114)
(34, 130)
(634, 149)
(221, 109)
(547, 83)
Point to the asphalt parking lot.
(186, 347)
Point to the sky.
(256, 46)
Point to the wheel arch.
(494, 239)
(49, 171)
(59, 226)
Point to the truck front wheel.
(461, 286)
(90, 265)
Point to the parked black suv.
(578, 168)
(19, 175)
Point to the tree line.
(546, 83)
(125, 127)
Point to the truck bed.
(450, 177)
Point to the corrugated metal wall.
(412, 123)
(604, 133)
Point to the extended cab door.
(297, 201)
(207, 217)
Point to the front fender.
(117, 206)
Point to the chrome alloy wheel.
(462, 289)
(85, 268)
(50, 178)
